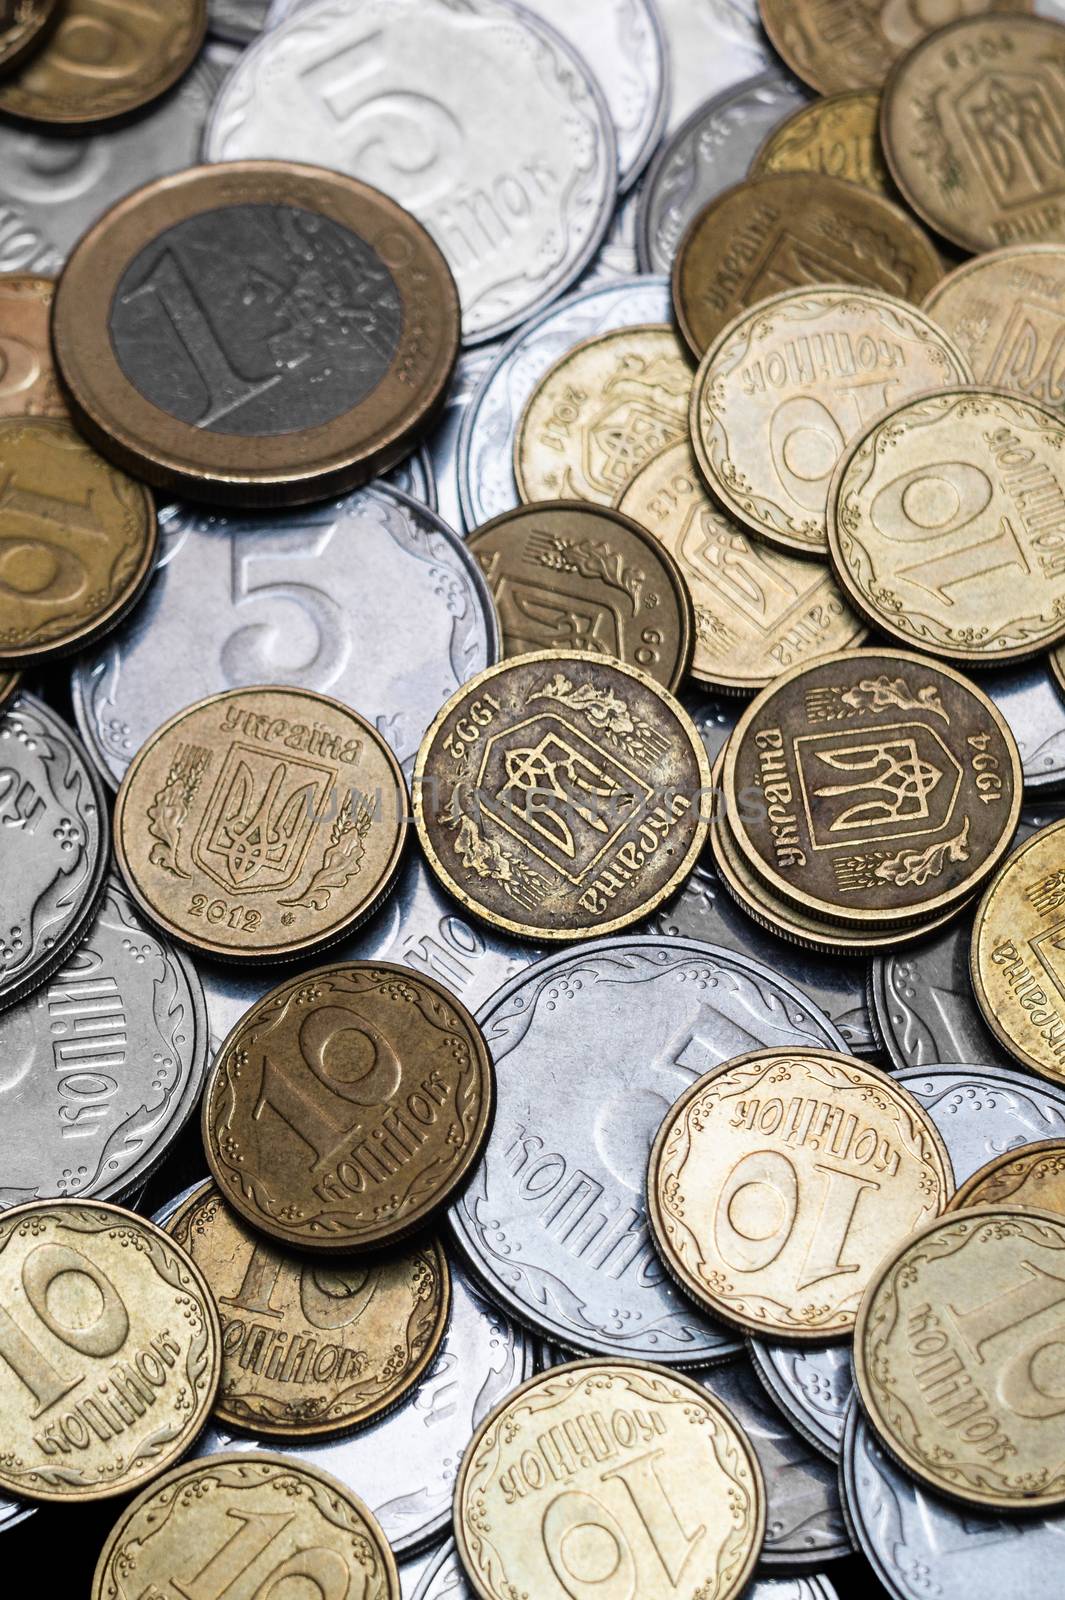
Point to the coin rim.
(1005, 1158)
(825, 102)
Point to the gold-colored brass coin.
(838, 137)
(599, 412)
(957, 1356)
(310, 1348)
(786, 387)
(570, 576)
(561, 796)
(609, 1470)
(1017, 959)
(757, 611)
(261, 823)
(111, 1351)
(236, 1519)
(972, 131)
(779, 1181)
(347, 1106)
(28, 383)
(795, 231)
(1032, 1176)
(946, 526)
(22, 29)
(106, 58)
(77, 540)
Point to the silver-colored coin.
(415, 477)
(486, 438)
(708, 154)
(591, 1048)
(712, 45)
(417, 98)
(1033, 706)
(238, 20)
(442, 446)
(980, 1111)
(54, 843)
(369, 598)
(616, 257)
(414, 1571)
(714, 716)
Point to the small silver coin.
(240, 21)
(442, 446)
(714, 717)
(712, 44)
(415, 477)
(1033, 706)
(591, 1048)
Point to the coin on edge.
(112, 1351)
(257, 333)
(838, 137)
(957, 1357)
(311, 1349)
(209, 1521)
(28, 383)
(785, 388)
(566, 575)
(1032, 1177)
(561, 796)
(261, 823)
(23, 25)
(621, 1447)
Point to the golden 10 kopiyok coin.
(112, 1351)
(347, 1106)
(557, 1487)
(561, 796)
(882, 788)
(957, 1357)
(311, 1348)
(570, 576)
(838, 136)
(779, 1181)
(256, 333)
(28, 383)
(261, 823)
(1031, 1176)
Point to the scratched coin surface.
(310, 1349)
(838, 136)
(28, 383)
(566, 575)
(556, 1488)
(347, 1106)
(1033, 1178)
(260, 824)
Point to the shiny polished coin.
(838, 136)
(888, 788)
(113, 1353)
(1033, 1177)
(103, 59)
(261, 824)
(78, 541)
(28, 383)
(986, 166)
(256, 334)
(587, 1426)
(778, 1182)
(598, 414)
(956, 1357)
(347, 1106)
(310, 1349)
(788, 385)
(23, 25)
(795, 231)
(570, 576)
(561, 796)
(757, 611)
(295, 1525)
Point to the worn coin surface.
(28, 383)
(838, 136)
(1033, 1178)
(588, 1426)
(347, 1106)
(260, 824)
(566, 575)
(22, 29)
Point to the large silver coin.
(980, 1111)
(238, 20)
(369, 598)
(707, 154)
(54, 839)
(712, 44)
(417, 97)
(486, 438)
(1033, 706)
(591, 1048)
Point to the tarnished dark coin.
(256, 334)
(9, 682)
(567, 575)
(23, 25)
(838, 136)
(28, 383)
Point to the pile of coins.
(532, 1007)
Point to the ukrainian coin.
(600, 412)
(28, 384)
(296, 1525)
(1031, 702)
(707, 1487)
(785, 388)
(571, 576)
(53, 844)
(444, 1579)
(261, 824)
(713, 716)
(555, 1216)
(442, 446)
(1033, 1178)
(238, 20)
(616, 256)
(114, 1351)
(310, 1349)
(559, 796)
(517, 190)
(713, 44)
(838, 136)
(22, 29)
(923, 1003)
(105, 60)
(414, 477)
(243, 599)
